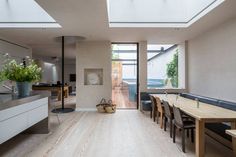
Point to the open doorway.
(125, 75)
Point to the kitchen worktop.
(9, 100)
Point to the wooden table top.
(231, 133)
(204, 112)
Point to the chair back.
(153, 101)
(178, 117)
(167, 109)
(158, 103)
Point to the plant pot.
(23, 89)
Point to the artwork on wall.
(93, 76)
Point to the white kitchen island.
(29, 114)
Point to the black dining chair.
(183, 125)
(154, 108)
(168, 116)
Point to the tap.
(10, 88)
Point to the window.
(158, 13)
(164, 68)
(24, 14)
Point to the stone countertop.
(9, 100)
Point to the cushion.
(144, 96)
(219, 128)
(146, 105)
(227, 105)
(200, 98)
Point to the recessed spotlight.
(177, 29)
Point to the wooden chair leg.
(171, 125)
(154, 114)
(158, 114)
(183, 140)
(174, 132)
(187, 133)
(165, 121)
(192, 136)
(161, 120)
(151, 113)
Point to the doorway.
(125, 75)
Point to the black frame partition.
(62, 109)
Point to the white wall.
(70, 68)
(212, 62)
(96, 54)
(52, 69)
(15, 51)
(50, 72)
(143, 66)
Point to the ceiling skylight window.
(24, 14)
(158, 13)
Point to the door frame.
(137, 77)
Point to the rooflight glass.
(153, 12)
(24, 13)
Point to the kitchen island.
(28, 114)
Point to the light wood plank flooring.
(127, 133)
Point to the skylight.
(158, 13)
(24, 14)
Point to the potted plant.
(172, 71)
(22, 73)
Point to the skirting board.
(85, 109)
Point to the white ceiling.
(89, 18)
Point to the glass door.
(124, 75)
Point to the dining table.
(202, 113)
(57, 89)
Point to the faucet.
(12, 88)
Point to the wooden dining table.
(57, 89)
(233, 134)
(203, 113)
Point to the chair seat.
(188, 124)
(183, 116)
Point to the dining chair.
(160, 111)
(168, 116)
(182, 125)
(154, 108)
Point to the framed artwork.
(93, 76)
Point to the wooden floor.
(127, 133)
(120, 96)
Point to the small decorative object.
(197, 102)
(106, 106)
(93, 76)
(22, 73)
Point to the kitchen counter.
(9, 100)
(29, 114)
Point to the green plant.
(20, 72)
(172, 70)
